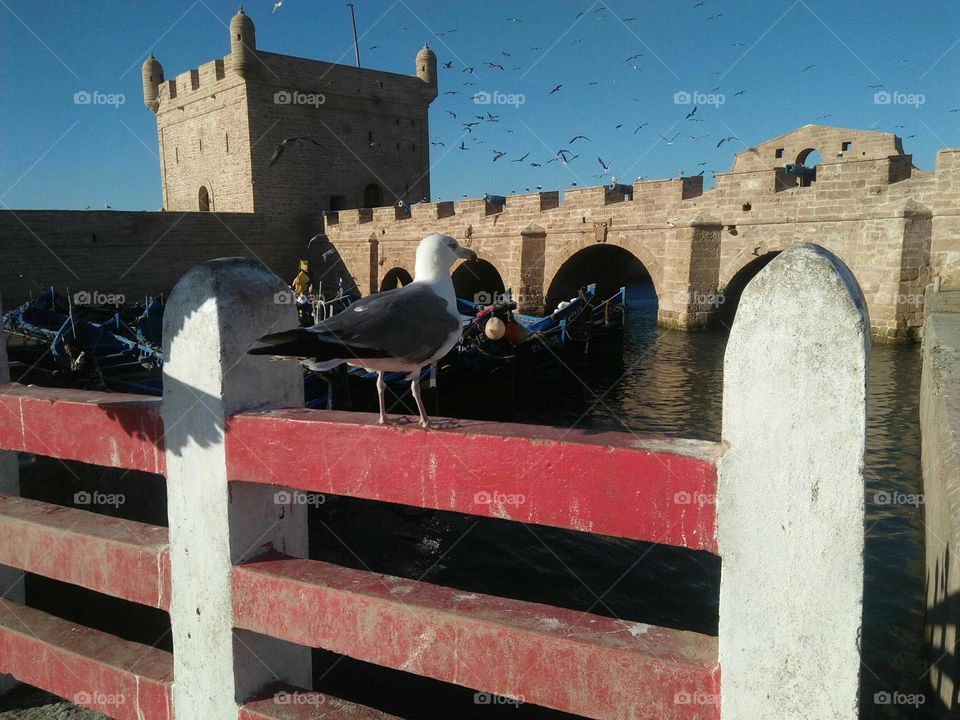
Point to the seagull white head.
(436, 254)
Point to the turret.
(243, 44)
(427, 67)
(152, 73)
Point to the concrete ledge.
(940, 452)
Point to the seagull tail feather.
(301, 343)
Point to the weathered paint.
(11, 579)
(213, 316)
(586, 664)
(600, 482)
(286, 702)
(122, 679)
(109, 429)
(117, 557)
(791, 495)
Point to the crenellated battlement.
(197, 83)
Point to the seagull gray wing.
(410, 323)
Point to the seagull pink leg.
(415, 386)
(381, 390)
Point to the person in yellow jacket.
(301, 283)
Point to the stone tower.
(218, 126)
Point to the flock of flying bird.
(575, 148)
(572, 151)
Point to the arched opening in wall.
(395, 277)
(203, 199)
(731, 294)
(610, 267)
(372, 196)
(476, 280)
(810, 159)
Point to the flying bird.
(808, 67)
(401, 330)
(671, 140)
(276, 6)
(578, 137)
(633, 57)
(494, 66)
(282, 145)
(497, 154)
(726, 139)
(556, 89)
(522, 158)
(640, 127)
(692, 112)
(448, 64)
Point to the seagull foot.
(442, 424)
(400, 420)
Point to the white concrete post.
(791, 493)
(214, 315)
(11, 579)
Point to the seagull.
(401, 330)
(276, 6)
(522, 158)
(692, 112)
(670, 141)
(556, 89)
(578, 137)
(282, 145)
(726, 139)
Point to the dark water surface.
(663, 382)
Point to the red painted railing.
(609, 483)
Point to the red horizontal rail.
(567, 660)
(122, 558)
(285, 702)
(654, 488)
(122, 679)
(110, 429)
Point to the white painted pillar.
(11, 579)
(791, 492)
(214, 315)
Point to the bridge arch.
(608, 264)
(734, 287)
(395, 277)
(475, 277)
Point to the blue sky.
(59, 154)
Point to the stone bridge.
(893, 225)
